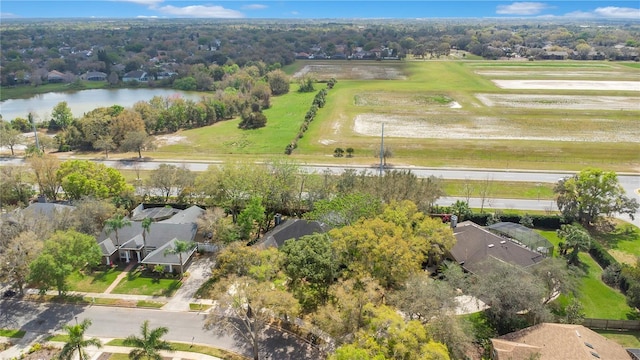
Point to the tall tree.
(149, 345)
(113, 225)
(591, 194)
(278, 82)
(77, 343)
(81, 178)
(137, 141)
(16, 257)
(15, 186)
(509, 291)
(61, 117)
(104, 143)
(10, 138)
(179, 248)
(169, 178)
(247, 307)
(45, 168)
(63, 253)
(311, 267)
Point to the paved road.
(109, 322)
(630, 182)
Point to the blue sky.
(302, 9)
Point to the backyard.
(599, 300)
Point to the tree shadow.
(35, 317)
(622, 232)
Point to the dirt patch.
(568, 85)
(558, 73)
(490, 128)
(623, 257)
(401, 99)
(46, 352)
(164, 140)
(568, 102)
(354, 71)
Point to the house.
(149, 248)
(548, 341)
(290, 229)
(137, 75)
(170, 261)
(38, 210)
(95, 76)
(55, 76)
(474, 245)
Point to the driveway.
(199, 272)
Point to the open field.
(444, 113)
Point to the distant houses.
(138, 75)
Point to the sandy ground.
(486, 128)
(569, 102)
(164, 140)
(568, 85)
(350, 71)
(558, 73)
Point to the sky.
(327, 9)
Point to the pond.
(83, 101)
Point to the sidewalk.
(199, 272)
(23, 345)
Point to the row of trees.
(318, 102)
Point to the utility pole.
(382, 150)
(35, 133)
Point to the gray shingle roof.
(475, 244)
(159, 256)
(159, 233)
(189, 215)
(107, 247)
(290, 229)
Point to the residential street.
(111, 322)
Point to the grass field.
(434, 115)
(96, 281)
(137, 284)
(195, 348)
(599, 300)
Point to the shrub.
(601, 256)
(611, 275)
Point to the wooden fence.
(607, 324)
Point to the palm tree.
(77, 342)
(149, 344)
(179, 247)
(146, 228)
(113, 225)
(576, 239)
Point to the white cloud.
(617, 12)
(147, 17)
(6, 15)
(294, 12)
(254, 7)
(200, 11)
(521, 8)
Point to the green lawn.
(95, 281)
(623, 243)
(12, 333)
(627, 339)
(224, 138)
(207, 350)
(138, 284)
(599, 300)
(501, 189)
